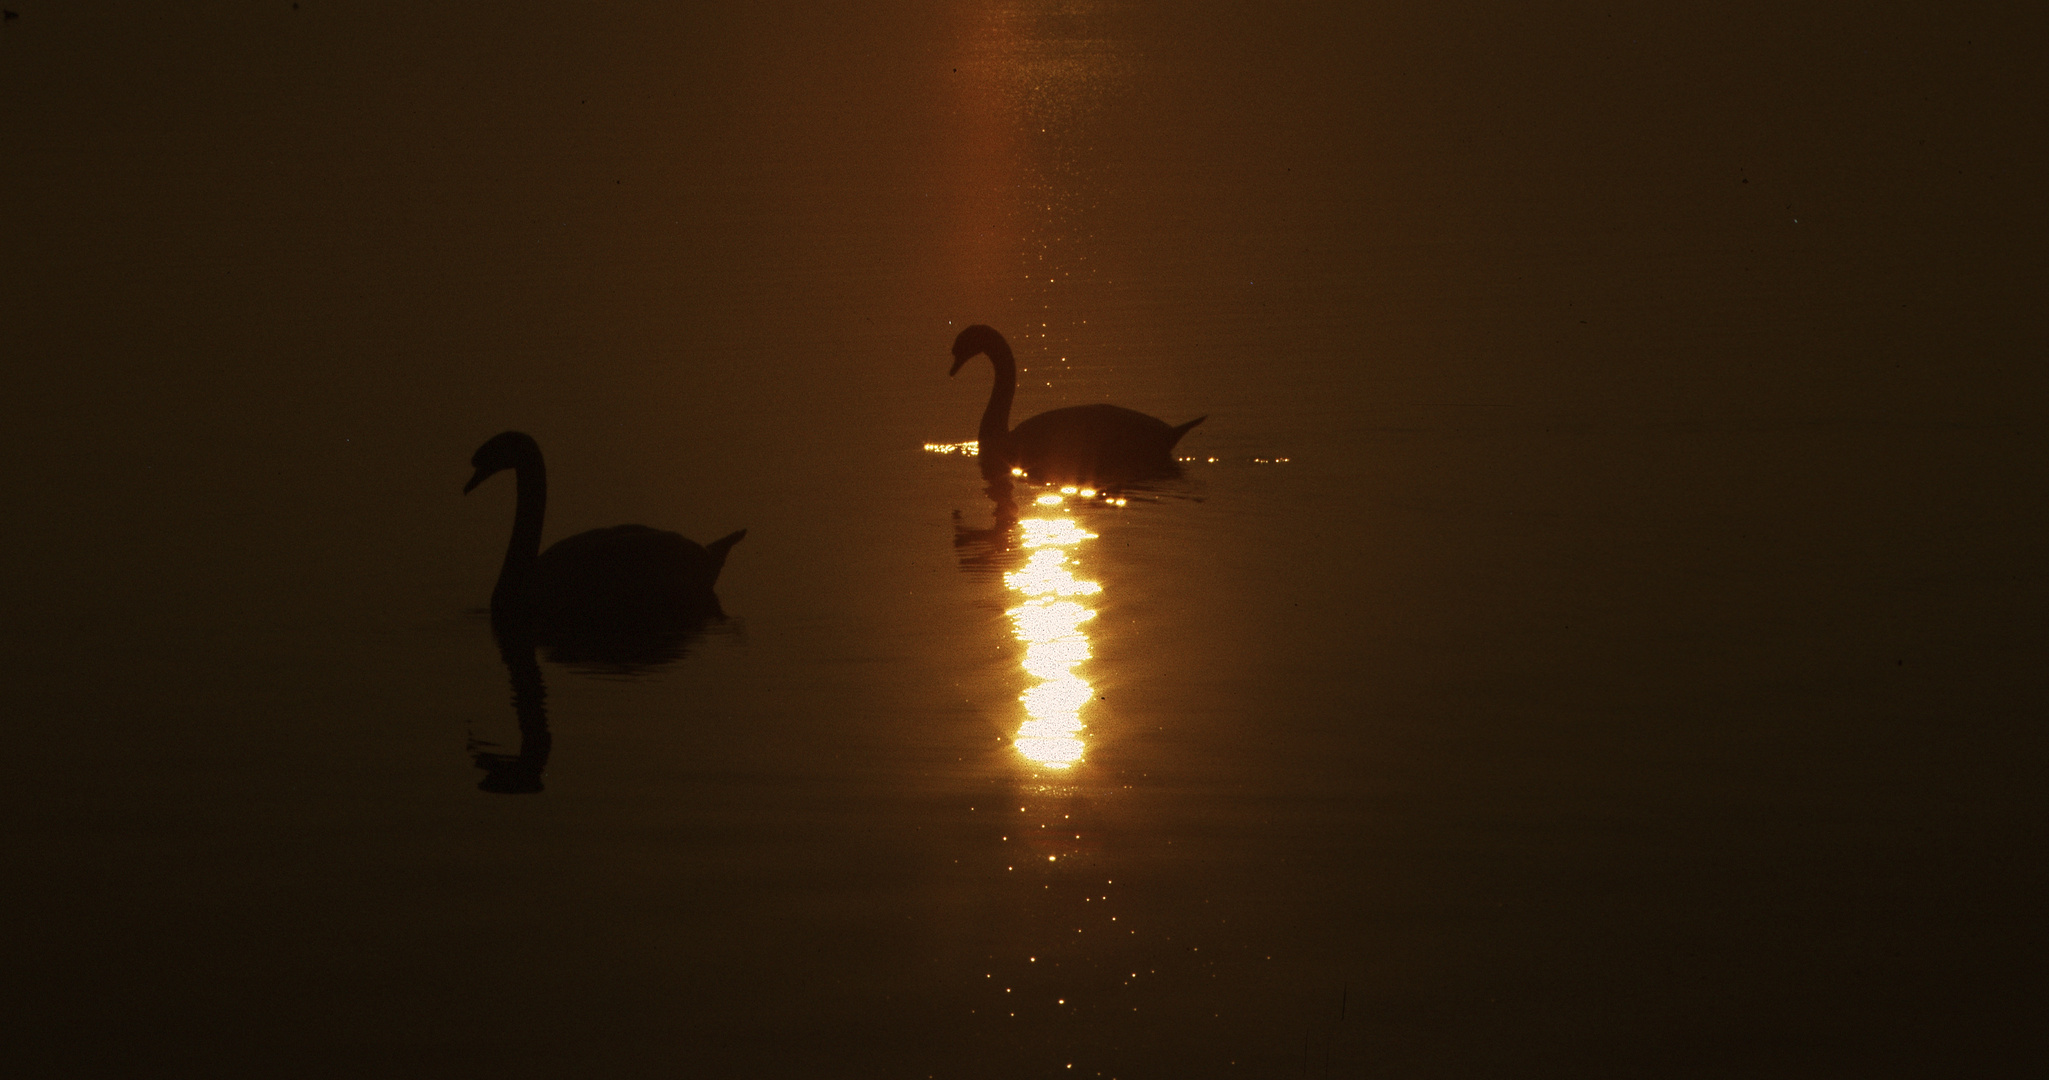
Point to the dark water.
(1600, 634)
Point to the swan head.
(973, 342)
(505, 450)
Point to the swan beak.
(957, 362)
(482, 475)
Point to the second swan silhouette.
(1099, 444)
(626, 576)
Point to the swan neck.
(995, 430)
(525, 547)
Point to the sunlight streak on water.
(1045, 573)
(1050, 624)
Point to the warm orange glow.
(1026, 85)
(1055, 659)
(1053, 532)
(1045, 574)
(1049, 623)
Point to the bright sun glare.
(1049, 622)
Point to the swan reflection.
(523, 643)
(520, 773)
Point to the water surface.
(1597, 631)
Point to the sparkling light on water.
(1050, 622)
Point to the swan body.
(1085, 443)
(626, 574)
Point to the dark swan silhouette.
(1086, 443)
(624, 576)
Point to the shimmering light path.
(1050, 622)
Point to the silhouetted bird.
(625, 576)
(1095, 444)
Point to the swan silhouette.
(1086, 443)
(625, 576)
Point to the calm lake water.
(1598, 632)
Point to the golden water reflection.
(1049, 622)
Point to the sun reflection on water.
(1049, 622)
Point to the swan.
(627, 574)
(1088, 443)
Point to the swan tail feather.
(1184, 428)
(723, 544)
